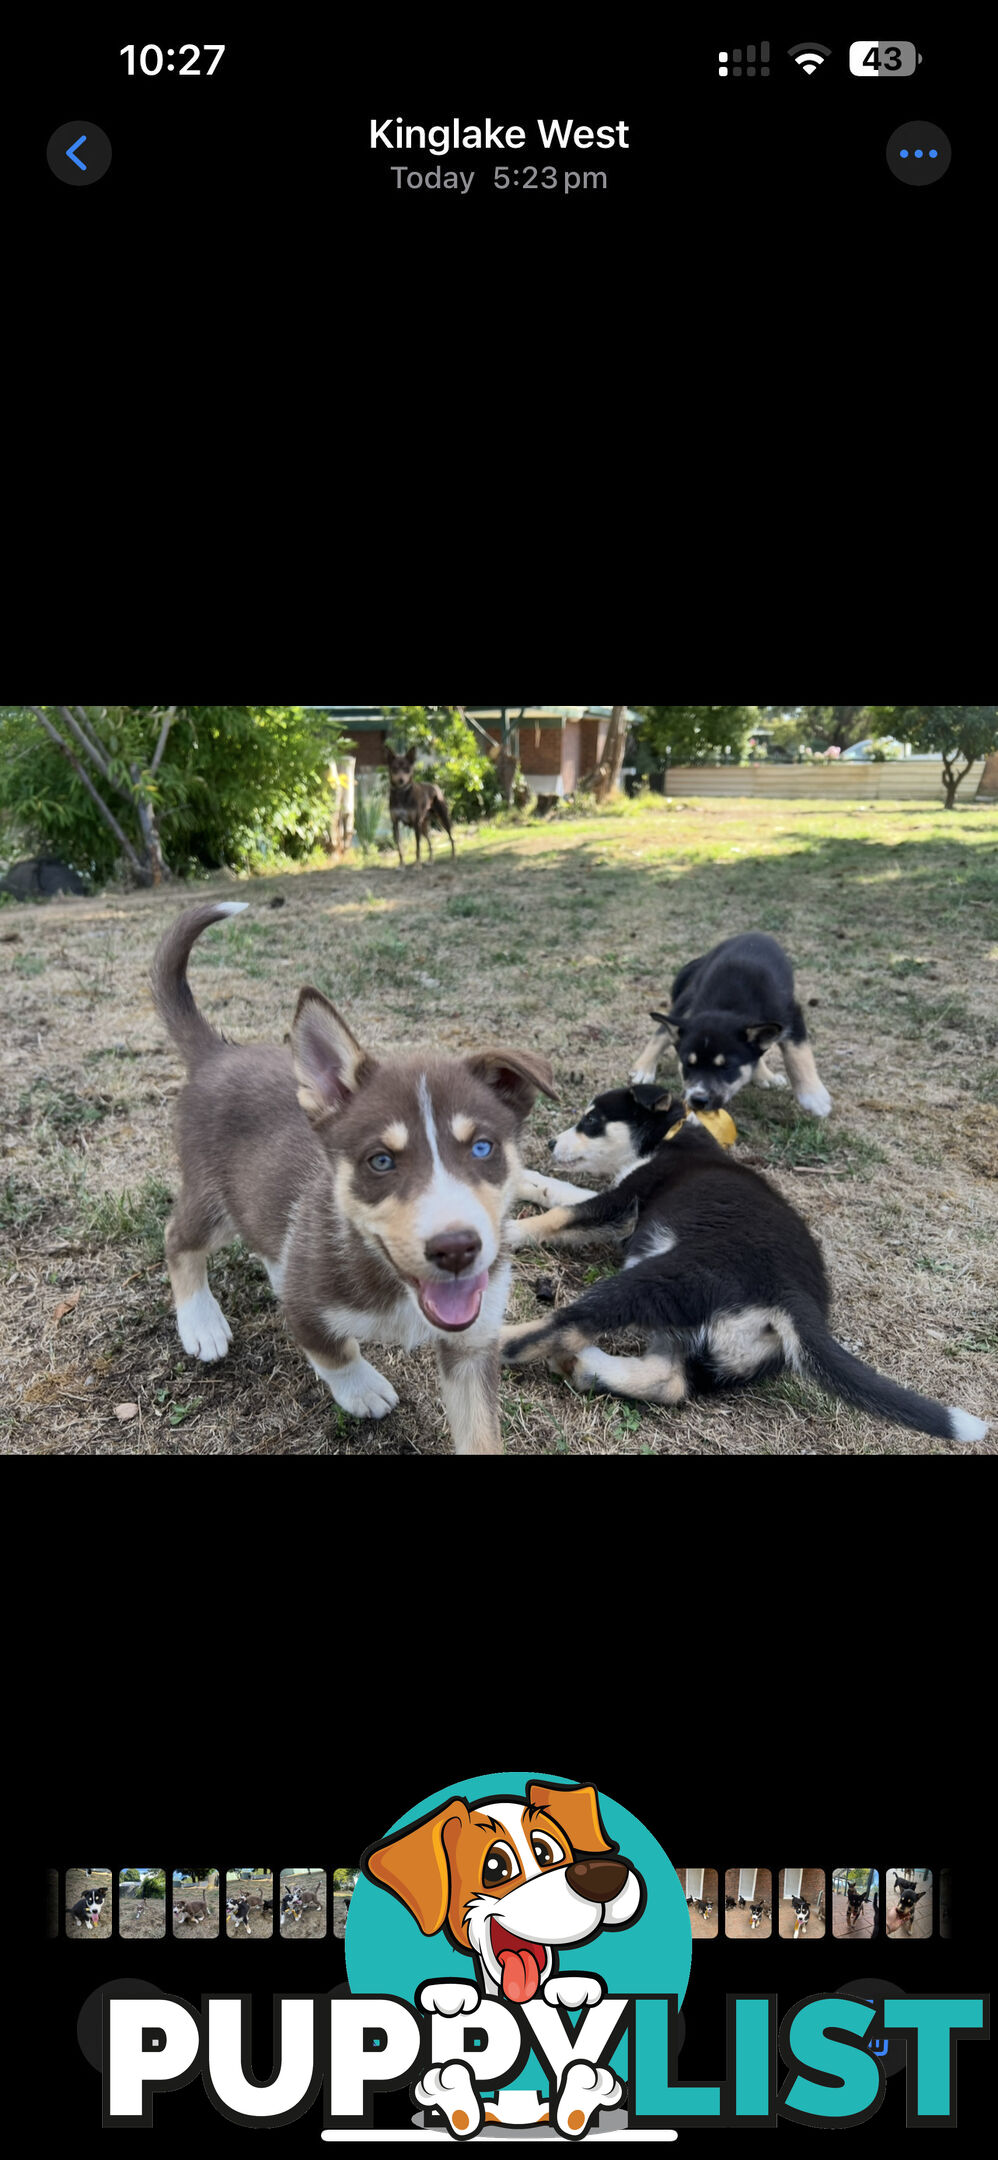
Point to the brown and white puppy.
(195, 1909)
(414, 802)
(375, 1194)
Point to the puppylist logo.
(517, 1955)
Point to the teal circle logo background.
(386, 1954)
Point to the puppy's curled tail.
(170, 988)
(859, 1384)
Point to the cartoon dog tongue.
(522, 1963)
(520, 1974)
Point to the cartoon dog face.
(508, 1883)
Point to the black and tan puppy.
(415, 802)
(722, 1276)
(727, 1010)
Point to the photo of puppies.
(700, 1887)
(249, 1903)
(856, 1902)
(303, 1903)
(141, 1904)
(909, 1904)
(748, 1907)
(195, 1903)
(801, 1906)
(87, 1913)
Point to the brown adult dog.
(375, 1194)
(414, 802)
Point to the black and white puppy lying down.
(727, 1010)
(721, 1275)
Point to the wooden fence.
(897, 780)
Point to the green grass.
(113, 1218)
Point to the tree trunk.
(613, 754)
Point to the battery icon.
(884, 60)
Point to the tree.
(156, 789)
(454, 759)
(958, 731)
(691, 733)
(613, 754)
(119, 773)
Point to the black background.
(244, 362)
(258, 185)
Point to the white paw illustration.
(573, 1989)
(448, 2086)
(448, 1998)
(203, 1327)
(584, 2088)
(359, 1389)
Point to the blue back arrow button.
(77, 161)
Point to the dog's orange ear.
(329, 1062)
(515, 1075)
(415, 1868)
(576, 1808)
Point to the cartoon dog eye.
(546, 1850)
(501, 1864)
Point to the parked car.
(887, 743)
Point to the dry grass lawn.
(560, 935)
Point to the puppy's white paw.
(766, 1079)
(532, 1186)
(448, 2086)
(448, 1998)
(642, 1076)
(359, 1389)
(573, 1989)
(203, 1327)
(817, 1100)
(584, 2088)
(518, 1232)
(559, 1193)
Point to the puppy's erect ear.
(514, 1075)
(764, 1034)
(329, 1063)
(671, 1102)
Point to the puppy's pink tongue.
(520, 1974)
(454, 1304)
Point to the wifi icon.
(809, 57)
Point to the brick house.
(556, 744)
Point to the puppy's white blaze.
(447, 1202)
(965, 1427)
